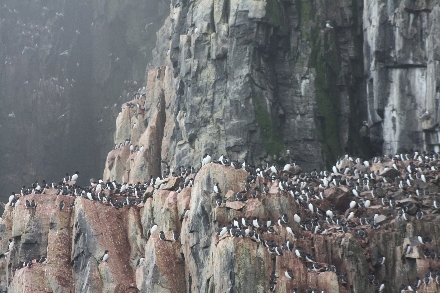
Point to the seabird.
(217, 188)
(11, 244)
(288, 274)
(218, 200)
(380, 261)
(272, 286)
(11, 197)
(175, 235)
(256, 222)
(284, 219)
(206, 159)
(152, 230)
(289, 230)
(341, 241)
(140, 261)
(407, 249)
(162, 236)
(105, 256)
(353, 204)
(222, 231)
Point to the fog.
(66, 68)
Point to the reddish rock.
(109, 228)
(236, 205)
(229, 194)
(171, 183)
(148, 193)
(340, 197)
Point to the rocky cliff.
(252, 79)
(401, 56)
(262, 82)
(364, 226)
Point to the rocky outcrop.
(193, 256)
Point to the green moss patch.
(325, 60)
(271, 140)
(275, 13)
(305, 16)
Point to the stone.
(409, 204)
(170, 183)
(149, 192)
(236, 205)
(380, 219)
(391, 172)
(340, 197)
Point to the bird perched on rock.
(218, 200)
(41, 259)
(184, 214)
(162, 236)
(217, 188)
(152, 230)
(272, 286)
(206, 159)
(105, 256)
(140, 261)
(74, 176)
(11, 244)
(175, 236)
(288, 274)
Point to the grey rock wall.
(401, 45)
(252, 79)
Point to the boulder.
(340, 197)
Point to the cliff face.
(252, 79)
(201, 259)
(66, 67)
(401, 53)
(249, 79)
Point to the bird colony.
(353, 201)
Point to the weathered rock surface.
(249, 79)
(401, 56)
(74, 240)
(252, 79)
